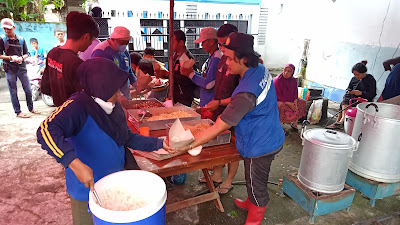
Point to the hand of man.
(186, 71)
(213, 105)
(82, 172)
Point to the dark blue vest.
(260, 131)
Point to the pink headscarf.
(286, 88)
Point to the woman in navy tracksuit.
(87, 134)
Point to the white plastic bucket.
(148, 186)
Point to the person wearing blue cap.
(253, 112)
(87, 134)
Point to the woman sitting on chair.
(291, 108)
(361, 85)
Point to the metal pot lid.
(329, 138)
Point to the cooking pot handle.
(375, 124)
(374, 105)
(303, 128)
(332, 132)
(357, 144)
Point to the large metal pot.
(325, 159)
(378, 130)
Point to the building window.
(229, 16)
(218, 16)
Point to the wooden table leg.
(212, 189)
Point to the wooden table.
(209, 157)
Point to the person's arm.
(34, 53)
(395, 100)
(387, 64)
(66, 121)
(132, 78)
(239, 106)
(5, 57)
(45, 85)
(209, 133)
(98, 53)
(44, 53)
(139, 142)
(2, 50)
(213, 105)
(25, 52)
(292, 105)
(371, 92)
(71, 78)
(350, 86)
(209, 81)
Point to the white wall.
(342, 33)
(154, 6)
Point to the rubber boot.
(244, 204)
(255, 214)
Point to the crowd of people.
(88, 132)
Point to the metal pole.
(171, 51)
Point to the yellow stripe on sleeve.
(58, 110)
(46, 134)
(47, 141)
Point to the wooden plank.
(212, 189)
(192, 201)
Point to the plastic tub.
(147, 185)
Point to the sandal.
(203, 180)
(226, 190)
(23, 115)
(294, 127)
(336, 125)
(34, 111)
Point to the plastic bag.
(315, 111)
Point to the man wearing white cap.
(15, 52)
(206, 80)
(115, 50)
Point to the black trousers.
(130, 162)
(256, 171)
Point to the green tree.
(18, 10)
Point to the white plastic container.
(149, 186)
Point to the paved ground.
(32, 187)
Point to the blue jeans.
(11, 77)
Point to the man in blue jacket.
(253, 112)
(206, 80)
(87, 134)
(115, 49)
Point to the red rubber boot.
(255, 214)
(244, 204)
